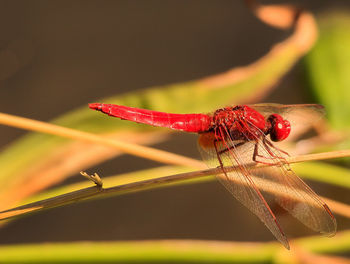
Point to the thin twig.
(320, 156)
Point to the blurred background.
(56, 56)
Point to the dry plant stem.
(56, 201)
(133, 149)
(320, 156)
(97, 191)
(91, 192)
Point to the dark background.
(69, 53)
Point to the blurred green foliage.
(328, 69)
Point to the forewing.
(287, 110)
(239, 182)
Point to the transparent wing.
(289, 110)
(239, 182)
(289, 190)
(292, 193)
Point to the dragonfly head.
(278, 128)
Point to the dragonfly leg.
(268, 145)
(273, 146)
(257, 155)
(218, 154)
(280, 160)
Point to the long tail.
(185, 122)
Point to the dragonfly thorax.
(241, 122)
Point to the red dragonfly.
(236, 136)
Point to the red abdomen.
(185, 122)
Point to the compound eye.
(279, 129)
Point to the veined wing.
(292, 193)
(287, 110)
(239, 182)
